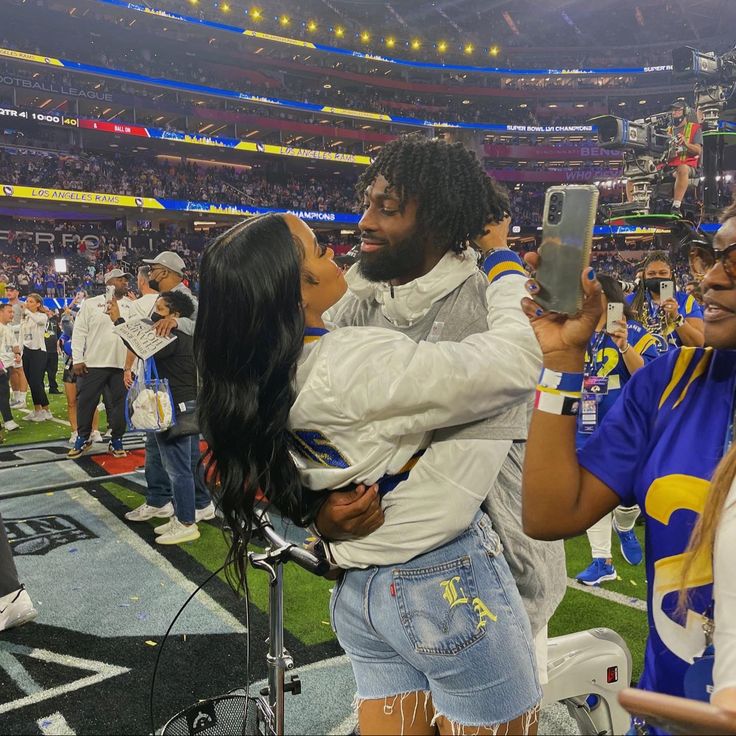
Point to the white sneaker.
(101, 406)
(17, 403)
(178, 533)
(163, 528)
(205, 514)
(16, 608)
(36, 416)
(47, 414)
(11, 425)
(96, 436)
(73, 438)
(144, 512)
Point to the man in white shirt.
(7, 360)
(98, 356)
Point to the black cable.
(166, 636)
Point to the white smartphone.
(666, 291)
(109, 293)
(615, 314)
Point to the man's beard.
(395, 262)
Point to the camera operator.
(684, 153)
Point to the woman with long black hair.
(284, 403)
(32, 330)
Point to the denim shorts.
(449, 622)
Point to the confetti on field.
(633, 582)
(326, 623)
(151, 643)
(50, 493)
(142, 616)
(134, 598)
(73, 550)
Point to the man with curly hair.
(428, 208)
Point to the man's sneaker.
(205, 514)
(96, 436)
(596, 573)
(630, 547)
(36, 416)
(178, 533)
(144, 512)
(116, 449)
(16, 608)
(73, 438)
(11, 425)
(81, 445)
(18, 404)
(163, 528)
(47, 414)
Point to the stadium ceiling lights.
(339, 32)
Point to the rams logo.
(138, 202)
(7, 191)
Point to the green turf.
(580, 610)
(31, 432)
(632, 580)
(306, 597)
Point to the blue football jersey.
(658, 447)
(603, 358)
(666, 336)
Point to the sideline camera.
(689, 62)
(645, 135)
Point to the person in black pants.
(51, 337)
(32, 329)
(16, 607)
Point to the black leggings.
(34, 366)
(5, 412)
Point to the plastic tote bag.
(149, 405)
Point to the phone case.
(614, 314)
(567, 240)
(667, 291)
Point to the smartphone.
(567, 240)
(666, 291)
(109, 293)
(615, 314)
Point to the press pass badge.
(596, 385)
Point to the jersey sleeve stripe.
(700, 369)
(681, 365)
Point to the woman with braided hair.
(675, 322)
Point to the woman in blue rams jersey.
(657, 447)
(610, 361)
(674, 322)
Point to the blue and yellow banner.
(69, 196)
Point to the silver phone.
(615, 314)
(666, 291)
(567, 239)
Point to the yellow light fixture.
(225, 8)
(284, 20)
(390, 42)
(469, 48)
(416, 44)
(493, 50)
(311, 26)
(442, 47)
(256, 14)
(339, 32)
(365, 37)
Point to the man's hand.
(128, 378)
(79, 369)
(113, 310)
(347, 515)
(164, 326)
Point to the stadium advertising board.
(12, 191)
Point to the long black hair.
(614, 293)
(456, 199)
(248, 337)
(639, 303)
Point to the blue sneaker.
(116, 449)
(81, 445)
(630, 547)
(596, 573)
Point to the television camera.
(645, 144)
(714, 75)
